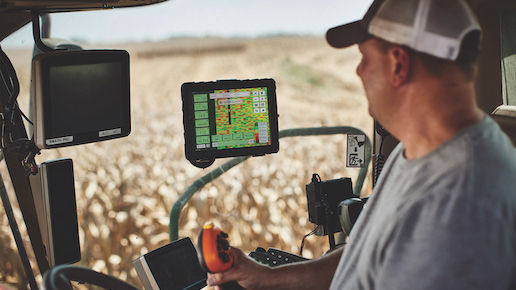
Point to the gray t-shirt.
(443, 221)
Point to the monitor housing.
(53, 191)
(229, 118)
(172, 266)
(80, 97)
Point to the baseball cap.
(446, 29)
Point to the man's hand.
(246, 272)
(312, 274)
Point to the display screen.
(233, 118)
(94, 86)
(80, 97)
(176, 266)
(230, 118)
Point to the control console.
(274, 257)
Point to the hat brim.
(347, 34)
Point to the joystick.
(213, 249)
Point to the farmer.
(442, 215)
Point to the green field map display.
(233, 118)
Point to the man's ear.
(401, 64)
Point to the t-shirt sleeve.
(442, 243)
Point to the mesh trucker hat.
(446, 29)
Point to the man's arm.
(313, 274)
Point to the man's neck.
(433, 115)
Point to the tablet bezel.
(187, 91)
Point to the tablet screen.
(230, 119)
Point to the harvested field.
(126, 187)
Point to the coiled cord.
(379, 162)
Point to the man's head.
(407, 44)
(445, 29)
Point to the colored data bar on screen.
(230, 95)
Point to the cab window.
(508, 37)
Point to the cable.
(22, 146)
(23, 114)
(381, 145)
(13, 86)
(379, 162)
(303, 240)
(2, 132)
(6, 83)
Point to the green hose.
(201, 182)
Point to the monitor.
(230, 118)
(173, 266)
(80, 97)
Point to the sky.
(198, 18)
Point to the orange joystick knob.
(213, 249)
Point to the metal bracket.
(36, 32)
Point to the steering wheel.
(60, 277)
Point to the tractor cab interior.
(67, 110)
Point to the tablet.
(230, 118)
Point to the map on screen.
(231, 118)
